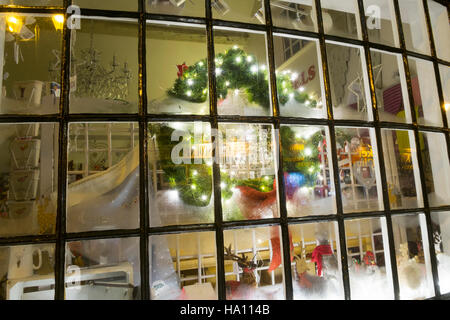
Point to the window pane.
(247, 172)
(316, 267)
(402, 169)
(28, 178)
(104, 269)
(441, 29)
(180, 164)
(413, 257)
(341, 18)
(445, 82)
(183, 266)
(32, 3)
(104, 66)
(390, 87)
(30, 63)
(128, 5)
(426, 99)
(299, 78)
(291, 14)
(193, 8)
(381, 22)
(177, 82)
(28, 271)
(103, 177)
(441, 236)
(436, 167)
(308, 177)
(414, 26)
(358, 169)
(250, 11)
(254, 264)
(369, 264)
(241, 73)
(348, 82)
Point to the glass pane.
(316, 266)
(28, 178)
(441, 29)
(390, 87)
(413, 257)
(436, 167)
(381, 22)
(426, 99)
(104, 66)
(249, 11)
(358, 169)
(180, 173)
(402, 170)
(445, 82)
(27, 272)
(247, 171)
(241, 73)
(183, 266)
(348, 82)
(368, 258)
(192, 8)
(341, 18)
(102, 195)
(293, 14)
(299, 77)
(441, 236)
(30, 63)
(128, 5)
(104, 269)
(177, 82)
(414, 26)
(254, 264)
(308, 176)
(32, 3)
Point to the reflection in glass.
(28, 178)
(316, 267)
(103, 176)
(30, 64)
(292, 14)
(426, 99)
(120, 5)
(441, 237)
(413, 257)
(103, 269)
(104, 66)
(180, 169)
(254, 264)
(414, 26)
(241, 73)
(27, 272)
(441, 29)
(445, 82)
(368, 259)
(390, 87)
(381, 22)
(183, 266)
(341, 18)
(348, 82)
(249, 11)
(247, 171)
(191, 8)
(358, 169)
(308, 177)
(402, 171)
(177, 69)
(299, 77)
(436, 167)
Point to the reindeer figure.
(248, 266)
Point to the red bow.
(317, 254)
(369, 258)
(181, 68)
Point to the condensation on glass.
(183, 266)
(381, 22)
(441, 29)
(119, 5)
(441, 242)
(191, 8)
(102, 176)
(341, 18)
(293, 14)
(316, 261)
(414, 26)
(249, 11)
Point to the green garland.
(235, 69)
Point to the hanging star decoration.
(357, 88)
